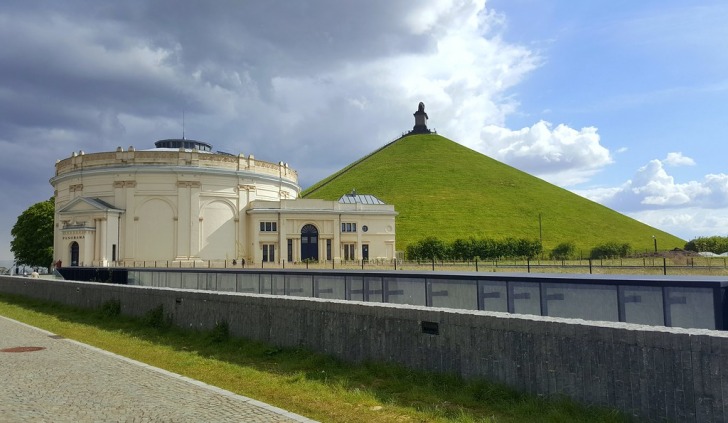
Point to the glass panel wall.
(226, 282)
(524, 298)
(494, 296)
(690, 307)
(330, 287)
(300, 285)
(589, 302)
(642, 305)
(454, 294)
(404, 291)
(248, 282)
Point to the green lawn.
(443, 189)
(309, 384)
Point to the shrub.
(610, 250)
(155, 317)
(111, 308)
(221, 332)
(564, 251)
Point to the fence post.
(590, 266)
(664, 266)
(433, 263)
(528, 264)
(476, 265)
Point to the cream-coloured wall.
(327, 217)
(154, 230)
(218, 233)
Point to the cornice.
(186, 170)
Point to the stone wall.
(654, 373)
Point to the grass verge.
(300, 381)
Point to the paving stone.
(68, 381)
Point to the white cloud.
(652, 188)
(677, 159)
(561, 155)
(687, 223)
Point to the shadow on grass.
(444, 396)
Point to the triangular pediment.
(87, 204)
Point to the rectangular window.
(290, 249)
(349, 250)
(328, 249)
(268, 226)
(348, 227)
(113, 252)
(269, 253)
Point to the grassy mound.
(441, 188)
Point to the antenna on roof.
(183, 124)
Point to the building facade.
(182, 202)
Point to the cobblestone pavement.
(68, 381)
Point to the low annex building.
(182, 202)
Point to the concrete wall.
(654, 373)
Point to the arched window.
(74, 253)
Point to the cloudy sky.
(622, 102)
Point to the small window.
(348, 227)
(268, 226)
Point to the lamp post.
(654, 238)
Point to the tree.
(32, 242)
(713, 244)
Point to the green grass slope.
(443, 189)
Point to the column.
(282, 241)
(184, 221)
(97, 242)
(102, 241)
(195, 188)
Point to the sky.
(622, 102)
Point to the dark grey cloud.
(316, 84)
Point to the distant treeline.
(432, 248)
(712, 244)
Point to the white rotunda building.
(183, 203)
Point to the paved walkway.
(67, 381)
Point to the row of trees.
(712, 244)
(432, 248)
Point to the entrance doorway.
(309, 243)
(74, 253)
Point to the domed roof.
(177, 143)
